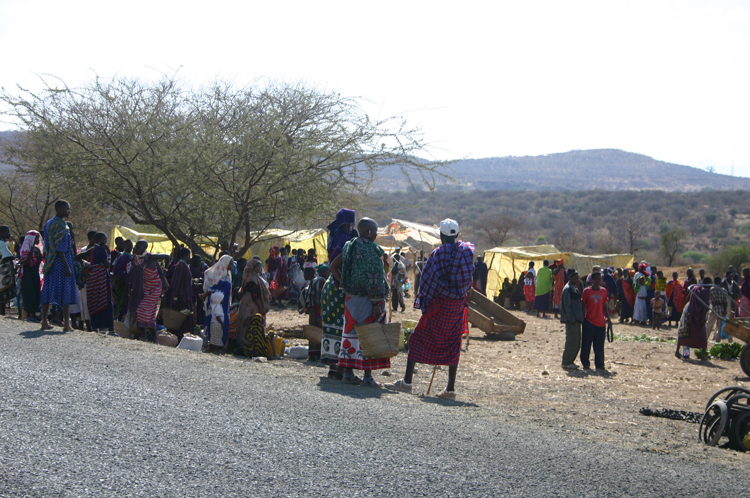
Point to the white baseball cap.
(449, 227)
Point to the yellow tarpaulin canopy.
(158, 243)
(299, 239)
(511, 261)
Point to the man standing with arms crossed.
(595, 321)
(446, 281)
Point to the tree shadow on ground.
(36, 334)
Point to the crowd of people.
(96, 287)
(640, 296)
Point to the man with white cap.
(446, 280)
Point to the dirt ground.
(523, 381)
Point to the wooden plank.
(490, 317)
(493, 309)
(737, 330)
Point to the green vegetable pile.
(723, 350)
(642, 338)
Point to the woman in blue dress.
(59, 286)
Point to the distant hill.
(604, 169)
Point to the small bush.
(710, 217)
(731, 255)
(664, 227)
(541, 240)
(744, 229)
(733, 212)
(695, 256)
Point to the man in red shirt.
(595, 321)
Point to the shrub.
(731, 255)
(744, 229)
(664, 227)
(541, 240)
(733, 212)
(710, 217)
(695, 256)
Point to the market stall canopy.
(408, 234)
(299, 239)
(509, 262)
(158, 243)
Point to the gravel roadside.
(88, 415)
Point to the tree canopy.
(217, 161)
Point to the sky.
(668, 79)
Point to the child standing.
(657, 307)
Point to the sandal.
(351, 379)
(333, 374)
(370, 382)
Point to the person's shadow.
(361, 392)
(36, 334)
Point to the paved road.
(85, 415)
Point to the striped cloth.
(97, 289)
(149, 306)
(437, 338)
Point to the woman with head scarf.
(217, 279)
(31, 285)
(340, 232)
(642, 283)
(255, 301)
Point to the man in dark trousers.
(595, 321)
(571, 314)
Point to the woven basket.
(313, 334)
(172, 319)
(121, 330)
(379, 340)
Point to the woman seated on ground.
(255, 301)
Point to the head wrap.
(343, 217)
(28, 243)
(322, 267)
(218, 272)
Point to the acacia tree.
(634, 228)
(670, 243)
(27, 200)
(495, 227)
(217, 161)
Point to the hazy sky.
(666, 79)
